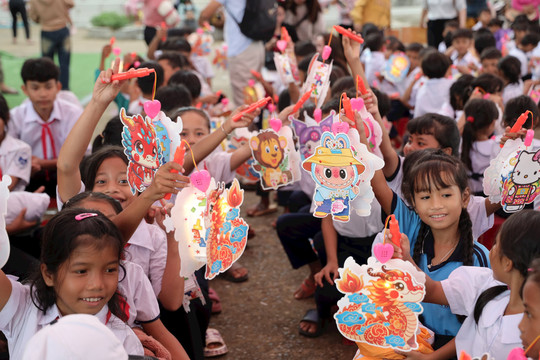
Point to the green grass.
(81, 82)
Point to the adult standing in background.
(53, 15)
(156, 13)
(306, 17)
(243, 53)
(19, 7)
(371, 11)
(438, 12)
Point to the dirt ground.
(260, 316)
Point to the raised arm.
(5, 290)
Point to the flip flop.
(216, 301)
(228, 275)
(311, 316)
(307, 289)
(214, 337)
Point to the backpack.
(259, 20)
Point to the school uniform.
(20, 319)
(480, 156)
(16, 160)
(374, 64)
(467, 59)
(202, 66)
(496, 334)
(218, 164)
(436, 317)
(511, 91)
(136, 106)
(522, 57)
(431, 95)
(476, 207)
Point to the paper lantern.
(4, 239)
(397, 68)
(381, 304)
(318, 80)
(309, 132)
(168, 135)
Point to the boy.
(489, 59)
(461, 56)
(375, 63)
(527, 44)
(436, 90)
(146, 84)
(483, 20)
(44, 121)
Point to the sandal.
(312, 316)
(260, 210)
(216, 301)
(215, 346)
(306, 289)
(229, 275)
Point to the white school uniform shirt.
(16, 160)
(404, 85)
(465, 60)
(202, 65)
(431, 95)
(137, 289)
(520, 55)
(476, 207)
(495, 334)
(480, 155)
(136, 106)
(20, 319)
(26, 125)
(375, 63)
(511, 91)
(218, 164)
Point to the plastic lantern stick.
(179, 159)
(4, 238)
(380, 319)
(349, 34)
(252, 108)
(142, 150)
(519, 122)
(360, 86)
(285, 34)
(131, 74)
(301, 102)
(163, 26)
(256, 74)
(336, 172)
(394, 230)
(112, 40)
(349, 113)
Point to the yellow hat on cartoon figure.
(333, 157)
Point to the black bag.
(259, 20)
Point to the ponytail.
(465, 236)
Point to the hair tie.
(530, 269)
(470, 119)
(83, 216)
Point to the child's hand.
(106, 51)
(36, 165)
(160, 213)
(166, 182)
(229, 125)
(106, 90)
(406, 248)
(414, 355)
(161, 33)
(371, 102)
(20, 224)
(463, 69)
(351, 48)
(512, 136)
(285, 113)
(329, 272)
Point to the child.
(438, 222)
(477, 142)
(80, 261)
(462, 58)
(146, 85)
(509, 69)
(530, 324)
(489, 59)
(14, 154)
(490, 297)
(460, 91)
(173, 97)
(449, 27)
(435, 91)
(520, 52)
(376, 61)
(171, 62)
(43, 122)
(483, 19)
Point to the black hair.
(179, 32)
(383, 102)
(435, 64)
(489, 83)
(485, 10)
(414, 47)
(189, 80)
(437, 169)
(519, 24)
(175, 59)
(313, 7)
(517, 106)
(510, 68)
(332, 104)
(146, 83)
(284, 100)
(304, 48)
(374, 42)
(336, 74)
(62, 235)
(93, 196)
(394, 44)
(443, 128)
(518, 241)
(173, 97)
(370, 28)
(460, 91)
(484, 40)
(479, 114)
(451, 24)
(187, 109)
(530, 39)
(111, 135)
(496, 22)
(90, 164)
(462, 34)
(490, 53)
(40, 69)
(304, 63)
(4, 110)
(533, 274)
(176, 44)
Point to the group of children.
(106, 251)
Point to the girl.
(490, 298)
(80, 260)
(510, 70)
(530, 323)
(438, 225)
(477, 143)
